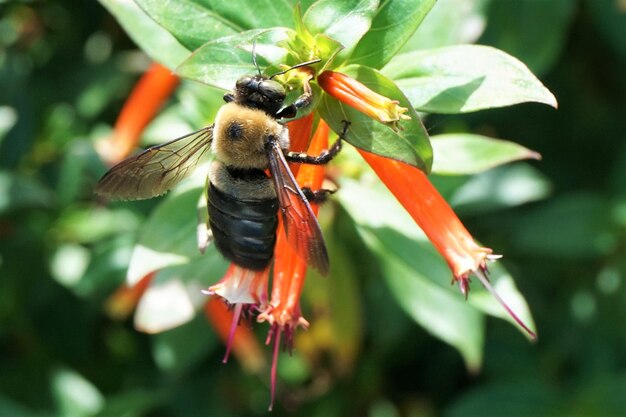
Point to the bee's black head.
(259, 92)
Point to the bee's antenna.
(302, 64)
(254, 56)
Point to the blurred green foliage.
(65, 69)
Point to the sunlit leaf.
(222, 62)
(260, 14)
(174, 295)
(502, 187)
(165, 305)
(168, 237)
(394, 23)
(345, 21)
(192, 24)
(152, 38)
(465, 153)
(465, 78)
(450, 22)
(74, 394)
(8, 118)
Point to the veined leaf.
(375, 211)
(192, 24)
(254, 15)
(152, 38)
(465, 78)
(450, 22)
(222, 62)
(393, 25)
(344, 21)
(465, 153)
(443, 314)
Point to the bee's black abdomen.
(244, 230)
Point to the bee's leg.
(325, 156)
(229, 97)
(303, 101)
(317, 196)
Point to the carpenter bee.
(247, 138)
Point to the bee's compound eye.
(272, 90)
(243, 81)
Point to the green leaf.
(8, 118)
(610, 23)
(20, 191)
(168, 237)
(222, 62)
(178, 350)
(264, 14)
(511, 399)
(465, 78)
(192, 24)
(74, 394)
(345, 21)
(132, 402)
(465, 153)
(443, 314)
(512, 27)
(573, 226)
(375, 211)
(152, 38)
(335, 303)
(410, 144)
(393, 25)
(450, 22)
(505, 286)
(416, 274)
(9, 407)
(502, 187)
(174, 295)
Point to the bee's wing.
(303, 230)
(157, 169)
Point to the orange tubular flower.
(354, 94)
(416, 193)
(439, 222)
(283, 313)
(300, 134)
(152, 90)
